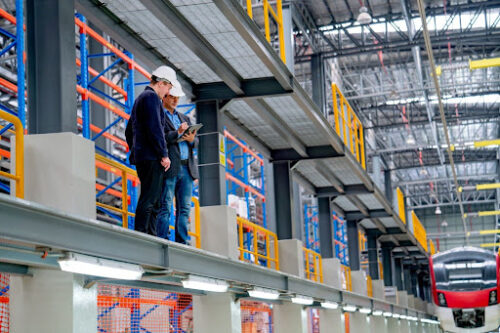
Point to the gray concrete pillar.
(219, 233)
(216, 313)
(52, 301)
(70, 184)
(290, 318)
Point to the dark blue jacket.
(145, 128)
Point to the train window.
(460, 275)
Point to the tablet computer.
(190, 130)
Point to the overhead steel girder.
(315, 152)
(357, 216)
(165, 11)
(38, 225)
(251, 88)
(347, 190)
(105, 20)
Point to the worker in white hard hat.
(183, 171)
(148, 149)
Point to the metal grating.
(142, 21)
(388, 222)
(370, 201)
(307, 169)
(251, 120)
(368, 224)
(297, 120)
(212, 24)
(342, 169)
(345, 204)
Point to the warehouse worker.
(148, 150)
(183, 170)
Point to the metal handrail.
(316, 274)
(278, 18)
(346, 273)
(348, 126)
(125, 173)
(197, 227)
(256, 231)
(369, 286)
(18, 176)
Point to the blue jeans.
(180, 186)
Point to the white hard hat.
(164, 73)
(176, 90)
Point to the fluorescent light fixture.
(387, 314)
(349, 308)
(365, 310)
(330, 305)
(413, 318)
(88, 265)
(303, 300)
(264, 293)
(404, 317)
(206, 284)
(396, 315)
(377, 313)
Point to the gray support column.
(211, 140)
(284, 200)
(270, 202)
(388, 185)
(288, 32)
(421, 285)
(353, 245)
(297, 213)
(325, 228)
(387, 265)
(398, 274)
(407, 279)
(415, 282)
(97, 112)
(51, 66)
(372, 256)
(318, 81)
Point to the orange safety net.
(256, 317)
(137, 310)
(4, 302)
(313, 320)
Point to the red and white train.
(465, 287)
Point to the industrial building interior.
(349, 155)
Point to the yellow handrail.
(346, 275)
(18, 176)
(316, 273)
(369, 286)
(125, 173)
(257, 231)
(197, 227)
(348, 126)
(278, 18)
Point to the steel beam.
(373, 256)
(283, 188)
(347, 190)
(211, 140)
(325, 228)
(377, 213)
(259, 87)
(166, 12)
(387, 265)
(353, 244)
(316, 152)
(51, 46)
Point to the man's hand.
(182, 128)
(165, 162)
(189, 137)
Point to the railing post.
(20, 63)
(84, 75)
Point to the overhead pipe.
(479, 187)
